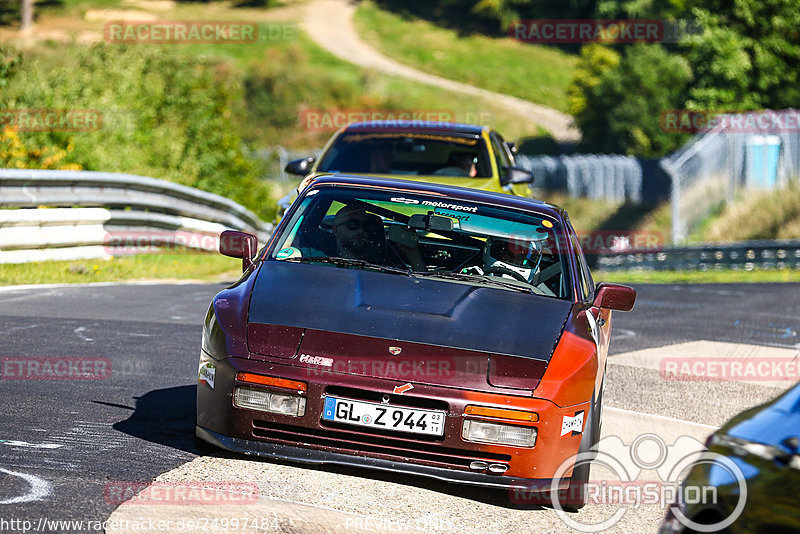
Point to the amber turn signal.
(501, 413)
(272, 381)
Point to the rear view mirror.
(615, 297)
(300, 167)
(436, 223)
(238, 245)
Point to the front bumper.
(318, 457)
(307, 439)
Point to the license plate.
(385, 416)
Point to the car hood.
(402, 308)
(769, 423)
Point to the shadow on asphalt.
(164, 416)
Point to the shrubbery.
(164, 116)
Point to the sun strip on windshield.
(352, 138)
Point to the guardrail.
(744, 255)
(98, 214)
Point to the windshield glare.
(408, 154)
(428, 236)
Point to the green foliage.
(164, 116)
(747, 57)
(488, 17)
(278, 87)
(640, 9)
(596, 60)
(15, 154)
(171, 264)
(9, 62)
(623, 105)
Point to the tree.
(623, 107)
(747, 57)
(27, 15)
(596, 60)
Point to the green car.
(464, 155)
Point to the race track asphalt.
(74, 437)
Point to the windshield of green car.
(427, 235)
(403, 153)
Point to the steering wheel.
(502, 270)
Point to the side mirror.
(614, 297)
(300, 167)
(238, 245)
(516, 175)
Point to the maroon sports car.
(417, 328)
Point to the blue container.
(761, 161)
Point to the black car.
(762, 447)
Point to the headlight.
(265, 401)
(480, 432)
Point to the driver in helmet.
(508, 257)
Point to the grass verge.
(697, 277)
(175, 265)
(539, 74)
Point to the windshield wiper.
(349, 262)
(477, 279)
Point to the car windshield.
(419, 235)
(432, 154)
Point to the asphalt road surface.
(64, 443)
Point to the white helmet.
(520, 256)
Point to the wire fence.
(756, 151)
(596, 176)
